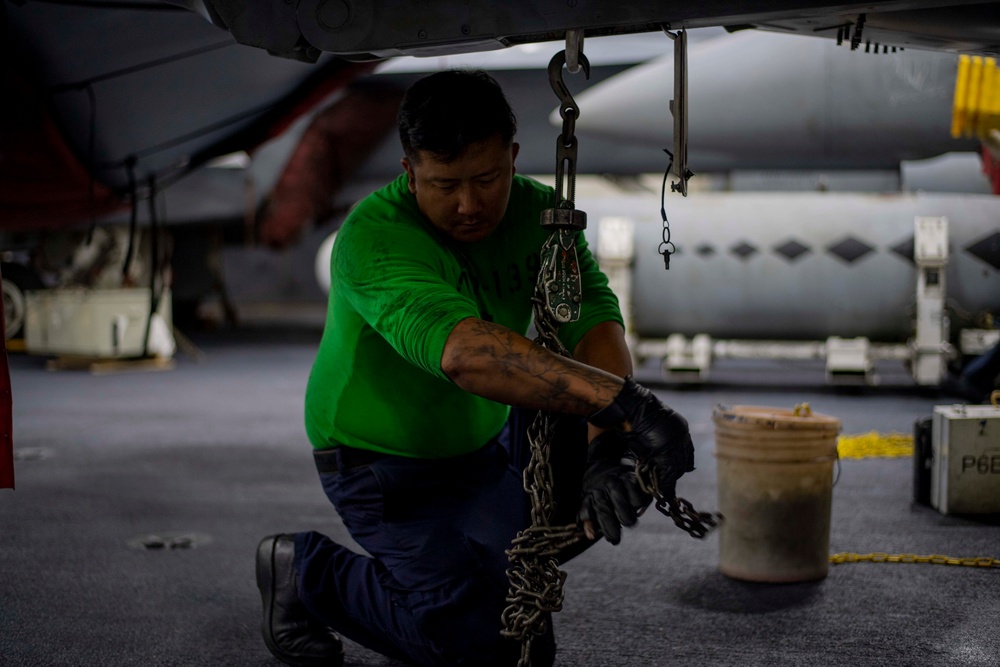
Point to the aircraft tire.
(17, 280)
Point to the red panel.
(335, 144)
(991, 167)
(6, 419)
(343, 76)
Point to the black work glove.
(659, 436)
(612, 497)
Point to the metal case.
(965, 473)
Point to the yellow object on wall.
(976, 108)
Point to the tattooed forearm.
(492, 361)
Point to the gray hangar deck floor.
(214, 452)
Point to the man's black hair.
(446, 112)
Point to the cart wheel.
(17, 280)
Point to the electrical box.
(965, 467)
(102, 323)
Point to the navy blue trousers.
(434, 586)
(983, 371)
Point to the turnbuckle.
(560, 274)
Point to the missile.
(772, 101)
(796, 265)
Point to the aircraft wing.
(366, 29)
(105, 100)
(113, 99)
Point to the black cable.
(91, 180)
(666, 247)
(176, 141)
(154, 299)
(194, 134)
(154, 222)
(173, 173)
(133, 220)
(78, 85)
(87, 85)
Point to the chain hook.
(563, 215)
(568, 105)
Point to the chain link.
(536, 582)
(694, 523)
(685, 516)
(933, 559)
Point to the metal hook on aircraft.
(559, 86)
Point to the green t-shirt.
(398, 287)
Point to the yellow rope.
(875, 445)
(933, 559)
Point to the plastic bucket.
(775, 482)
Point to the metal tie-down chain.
(536, 582)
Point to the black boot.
(290, 631)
